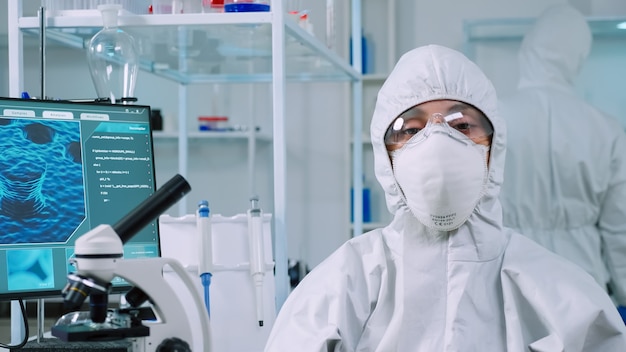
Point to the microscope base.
(82, 332)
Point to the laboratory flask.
(113, 59)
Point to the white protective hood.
(426, 74)
(554, 50)
(478, 288)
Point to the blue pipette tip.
(206, 282)
(203, 208)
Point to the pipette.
(257, 258)
(205, 255)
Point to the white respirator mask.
(442, 174)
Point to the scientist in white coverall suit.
(444, 275)
(565, 175)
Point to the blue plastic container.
(364, 55)
(246, 7)
(367, 210)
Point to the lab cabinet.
(493, 44)
(263, 50)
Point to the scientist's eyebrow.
(413, 112)
(460, 107)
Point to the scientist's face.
(462, 117)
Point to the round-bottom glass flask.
(113, 59)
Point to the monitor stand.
(41, 304)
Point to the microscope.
(153, 317)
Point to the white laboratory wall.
(604, 73)
(602, 7)
(603, 76)
(434, 23)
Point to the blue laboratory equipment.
(246, 6)
(205, 257)
(367, 208)
(257, 256)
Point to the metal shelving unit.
(360, 138)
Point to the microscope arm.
(99, 258)
(147, 274)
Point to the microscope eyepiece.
(161, 200)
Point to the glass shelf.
(514, 28)
(207, 48)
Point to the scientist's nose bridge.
(441, 118)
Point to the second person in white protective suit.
(444, 275)
(565, 175)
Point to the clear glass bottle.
(113, 59)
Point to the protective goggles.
(414, 125)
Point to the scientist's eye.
(462, 127)
(410, 132)
(405, 134)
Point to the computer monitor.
(66, 167)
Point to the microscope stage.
(87, 332)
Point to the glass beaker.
(113, 59)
